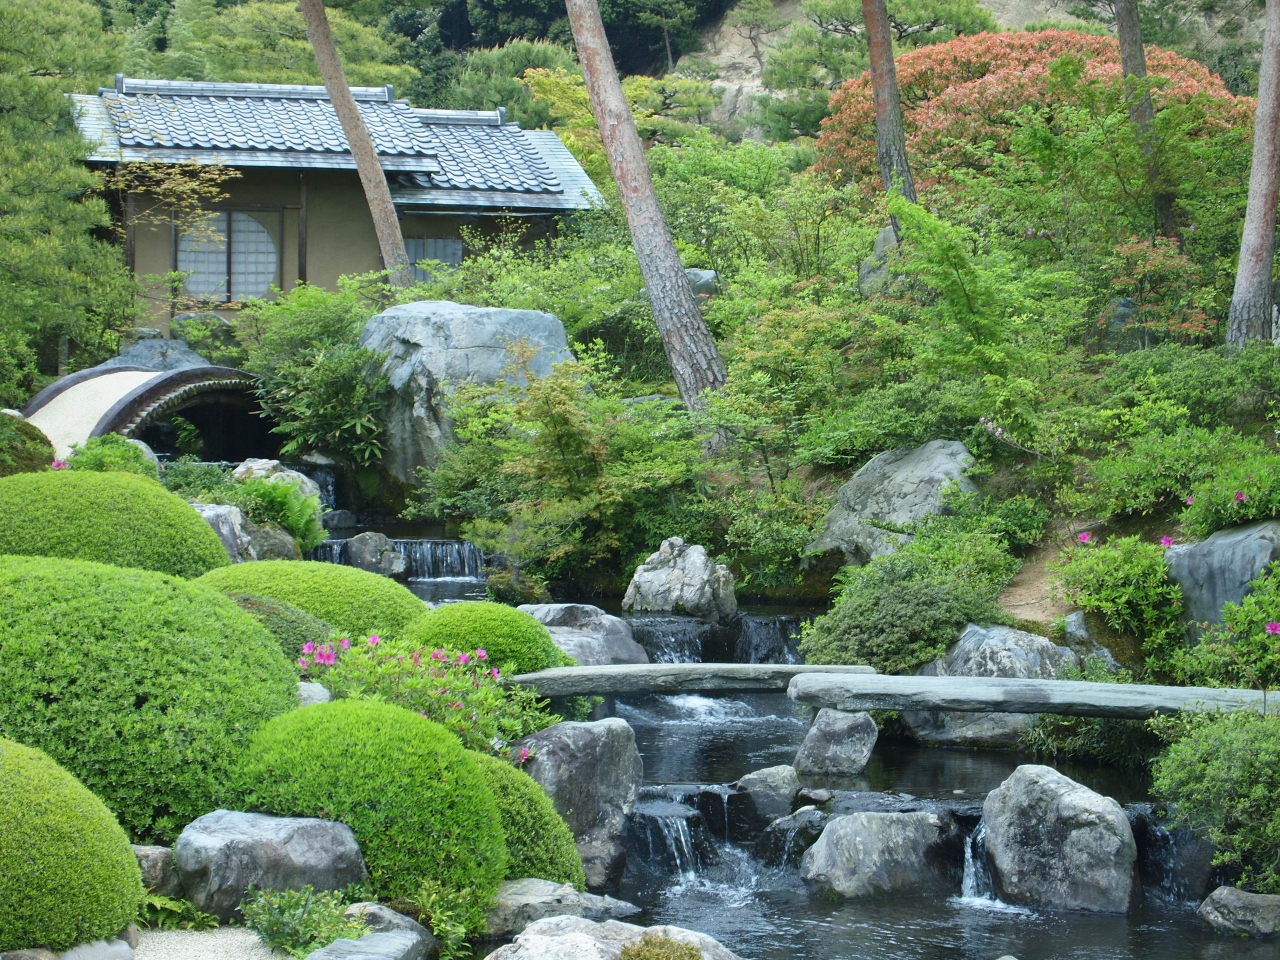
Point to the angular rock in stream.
(574, 938)
(785, 841)
(588, 634)
(863, 854)
(1055, 844)
(839, 744)
(522, 902)
(374, 553)
(592, 772)
(1233, 911)
(680, 578)
(772, 791)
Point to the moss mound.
(512, 639)
(538, 840)
(290, 626)
(353, 601)
(417, 801)
(116, 518)
(67, 873)
(23, 447)
(660, 948)
(145, 687)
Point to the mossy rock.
(660, 948)
(511, 638)
(291, 627)
(23, 447)
(538, 840)
(354, 602)
(145, 687)
(116, 518)
(67, 873)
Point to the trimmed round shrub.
(511, 638)
(355, 602)
(539, 842)
(145, 687)
(290, 626)
(116, 518)
(112, 453)
(67, 873)
(23, 447)
(417, 801)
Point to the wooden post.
(302, 227)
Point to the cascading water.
(767, 639)
(669, 837)
(324, 479)
(977, 883)
(427, 559)
(673, 639)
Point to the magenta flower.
(1240, 498)
(1273, 628)
(493, 672)
(308, 647)
(1190, 501)
(344, 643)
(59, 464)
(1166, 541)
(374, 640)
(525, 753)
(302, 662)
(463, 659)
(481, 654)
(1085, 537)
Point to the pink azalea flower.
(374, 640)
(525, 753)
(1085, 537)
(1273, 628)
(1190, 501)
(1240, 497)
(59, 464)
(463, 659)
(481, 654)
(1166, 541)
(493, 672)
(308, 647)
(344, 643)
(302, 662)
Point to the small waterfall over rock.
(673, 639)
(1174, 863)
(767, 639)
(977, 883)
(427, 559)
(324, 479)
(669, 837)
(749, 638)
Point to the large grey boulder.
(895, 489)
(375, 553)
(382, 919)
(231, 526)
(1233, 911)
(519, 903)
(575, 938)
(680, 578)
(989, 652)
(838, 744)
(277, 472)
(588, 634)
(1055, 844)
(431, 343)
(220, 855)
(1218, 569)
(159, 876)
(592, 772)
(864, 854)
(387, 945)
(157, 354)
(270, 542)
(772, 790)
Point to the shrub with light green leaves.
(111, 453)
(513, 640)
(419, 805)
(143, 686)
(1242, 490)
(115, 518)
(299, 921)
(67, 873)
(355, 602)
(291, 627)
(538, 840)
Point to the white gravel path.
(224, 943)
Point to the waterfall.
(666, 836)
(977, 883)
(427, 559)
(331, 551)
(677, 842)
(672, 639)
(767, 639)
(324, 479)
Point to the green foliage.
(1240, 490)
(23, 447)
(169, 913)
(115, 518)
(1223, 781)
(1244, 650)
(144, 686)
(187, 436)
(512, 640)
(418, 804)
(299, 921)
(193, 480)
(111, 453)
(539, 841)
(67, 873)
(492, 78)
(291, 627)
(1126, 581)
(356, 603)
(660, 948)
(265, 500)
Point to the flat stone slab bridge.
(861, 688)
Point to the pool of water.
(766, 913)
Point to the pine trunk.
(1133, 61)
(377, 193)
(1251, 302)
(695, 362)
(891, 141)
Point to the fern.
(267, 501)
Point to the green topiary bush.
(23, 447)
(417, 802)
(111, 453)
(289, 625)
(513, 640)
(144, 686)
(67, 873)
(115, 518)
(355, 602)
(538, 840)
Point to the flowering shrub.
(515, 641)
(111, 453)
(462, 691)
(1244, 650)
(1240, 491)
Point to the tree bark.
(377, 193)
(891, 141)
(1133, 61)
(1251, 302)
(696, 364)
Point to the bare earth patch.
(1027, 596)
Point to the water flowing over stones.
(424, 559)
(767, 639)
(1055, 844)
(680, 578)
(587, 633)
(772, 791)
(374, 553)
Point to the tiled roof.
(435, 158)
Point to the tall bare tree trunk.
(1133, 61)
(695, 361)
(891, 141)
(376, 192)
(1250, 316)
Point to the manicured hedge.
(23, 447)
(355, 602)
(538, 840)
(290, 626)
(67, 873)
(418, 804)
(511, 638)
(145, 687)
(116, 518)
